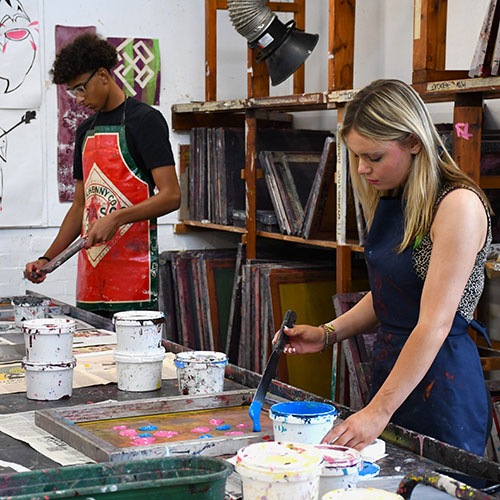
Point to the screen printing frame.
(61, 423)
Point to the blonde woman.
(429, 234)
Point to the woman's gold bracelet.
(330, 335)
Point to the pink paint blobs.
(242, 426)
(119, 427)
(200, 430)
(128, 432)
(165, 434)
(233, 433)
(216, 422)
(142, 441)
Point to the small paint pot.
(361, 494)
(341, 467)
(274, 471)
(28, 307)
(139, 373)
(138, 331)
(200, 372)
(49, 340)
(49, 381)
(302, 421)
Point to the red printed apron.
(122, 273)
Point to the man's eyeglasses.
(80, 90)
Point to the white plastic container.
(49, 340)
(139, 373)
(277, 471)
(200, 372)
(341, 467)
(302, 421)
(138, 331)
(28, 307)
(361, 494)
(45, 381)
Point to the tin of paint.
(139, 373)
(28, 307)
(274, 471)
(341, 467)
(200, 372)
(361, 494)
(302, 421)
(49, 340)
(46, 381)
(138, 331)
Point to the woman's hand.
(303, 339)
(34, 266)
(101, 230)
(359, 430)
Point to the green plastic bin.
(175, 478)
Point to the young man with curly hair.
(125, 179)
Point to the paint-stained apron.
(121, 274)
(451, 403)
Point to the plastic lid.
(207, 357)
(42, 367)
(361, 494)
(298, 411)
(336, 456)
(279, 459)
(139, 318)
(143, 357)
(49, 326)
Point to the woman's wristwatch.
(330, 335)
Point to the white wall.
(383, 48)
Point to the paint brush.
(270, 370)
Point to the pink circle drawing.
(216, 422)
(166, 434)
(142, 441)
(119, 427)
(200, 430)
(128, 432)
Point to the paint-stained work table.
(407, 450)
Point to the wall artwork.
(138, 68)
(20, 169)
(20, 85)
(70, 115)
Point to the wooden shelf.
(188, 225)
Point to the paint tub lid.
(336, 456)
(361, 494)
(295, 412)
(49, 326)
(138, 318)
(42, 367)
(279, 461)
(29, 301)
(126, 357)
(200, 359)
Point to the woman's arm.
(458, 233)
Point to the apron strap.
(480, 328)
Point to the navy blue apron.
(451, 403)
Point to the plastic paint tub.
(138, 331)
(49, 340)
(200, 372)
(45, 381)
(341, 467)
(137, 373)
(302, 421)
(27, 308)
(274, 471)
(361, 494)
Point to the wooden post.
(250, 167)
(300, 23)
(467, 126)
(341, 44)
(258, 76)
(210, 50)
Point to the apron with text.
(451, 403)
(121, 274)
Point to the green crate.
(178, 478)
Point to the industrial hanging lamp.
(282, 46)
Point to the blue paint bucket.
(302, 421)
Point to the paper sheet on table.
(93, 368)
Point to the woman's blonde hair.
(390, 110)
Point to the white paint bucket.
(200, 372)
(275, 471)
(46, 381)
(341, 467)
(302, 421)
(49, 340)
(361, 494)
(28, 307)
(138, 373)
(138, 331)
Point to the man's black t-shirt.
(146, 132)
